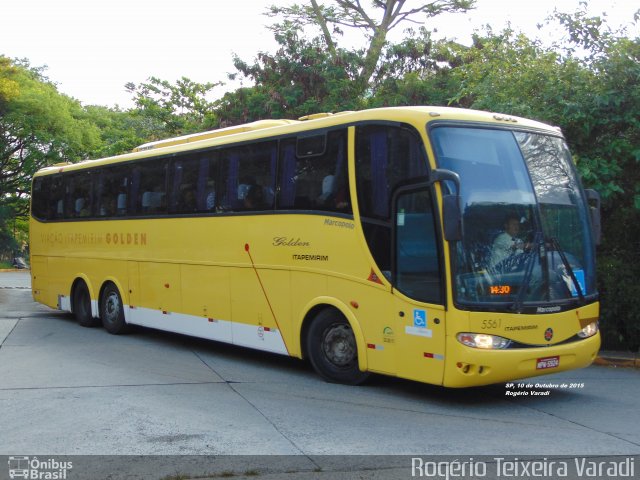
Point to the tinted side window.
(314, 178)
(247, 176)
(78, 202)
(149, 188)
(194, 183)
(385, 157)
(112, 192)
(56, 198)
(40, 198)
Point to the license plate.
(547, 362)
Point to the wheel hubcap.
(339, 345)
(112, 307)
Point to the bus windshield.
(526, 237)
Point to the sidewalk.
(618, 359)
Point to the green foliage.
(38, 127)
(301, 78)
(120, 131)
(167, 109)
(8, 244)
(618, 282)
(311, 74)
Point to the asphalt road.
(68, 390)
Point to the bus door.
(418, 285)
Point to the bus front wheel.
(112, 310)
(332, 349)
(82, 306)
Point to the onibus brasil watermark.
(502, 467)
(38, 469)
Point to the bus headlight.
(589, 331)
(482, 340)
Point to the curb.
(620, 362)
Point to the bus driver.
(507, 243)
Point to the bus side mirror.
(593, 201)
(451, 210)
(452, 217)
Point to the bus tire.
(332, 349)
(82, 306)
(112, 311)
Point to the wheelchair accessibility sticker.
(419, 327)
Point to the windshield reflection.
(526, 236)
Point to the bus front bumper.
(468, 367)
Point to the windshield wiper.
(556, 245)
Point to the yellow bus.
(447, 246)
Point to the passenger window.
(385, 157)
(56, 199)
(78, 195)
(149, 187)
(314, 173)
(249, 172)
(112, 192)
(40, 198)
(194, 183)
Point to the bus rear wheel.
(82, 306)
(112, 310)
(332, 349)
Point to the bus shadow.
(226, 352)
(240, 363)
(545, 391)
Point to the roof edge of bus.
(321, 120)
(221, 132)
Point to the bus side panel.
(305, 286)
(253, 323)
(101, 271)
(134, 289)
(205, 291)
(420, 340)
(277, 289)
(160, 289)
(60, 282)
(40, 280)
(372, 305)
(82, 268)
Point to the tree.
(375, 22)
(120, 130)
(299, 79)
(38, 127)
(174, 109)
(311, 74)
